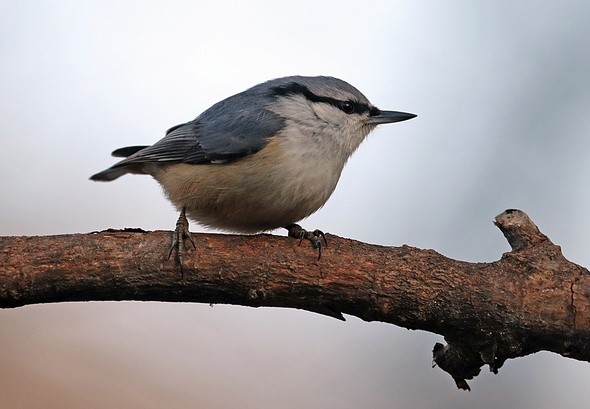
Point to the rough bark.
(532, 299)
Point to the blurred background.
(502, 93)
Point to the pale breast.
(263, 191)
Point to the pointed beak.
(387, 117)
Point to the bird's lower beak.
(387, 117)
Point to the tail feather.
(110, 174)
(121, 168)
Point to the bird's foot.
(178, 237)
(315, 237)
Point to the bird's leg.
(315, 237)
(180, 234)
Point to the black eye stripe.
(348, 107)
(374, 111)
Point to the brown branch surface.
(532, 299)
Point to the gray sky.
(502, 91)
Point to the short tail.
(118, 169)
(110, 174)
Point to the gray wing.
(219, 134)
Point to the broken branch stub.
(535, 300)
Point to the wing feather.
(219, 134)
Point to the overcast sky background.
(502, 93)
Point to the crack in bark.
(573, 307)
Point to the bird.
(259, 160)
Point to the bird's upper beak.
(387, 117)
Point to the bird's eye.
(347, 107)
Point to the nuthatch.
(259, 160)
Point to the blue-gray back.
(236, 126)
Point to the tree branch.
(532, 299)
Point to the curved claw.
(319, 233)
(315, 237)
